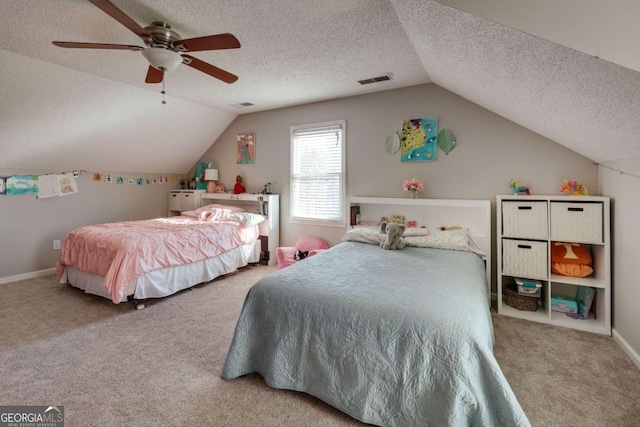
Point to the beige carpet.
(110, 365)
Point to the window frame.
(343, 181)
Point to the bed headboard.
(434, 213)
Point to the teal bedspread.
(392, 338)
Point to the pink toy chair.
(287, 254)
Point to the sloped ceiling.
(65, 109)
(90, 109)
(584, 103)
(605, 29)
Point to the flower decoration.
(413, 184)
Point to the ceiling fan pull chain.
(163, 92)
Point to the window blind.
(317, 172)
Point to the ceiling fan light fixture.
(162, 59)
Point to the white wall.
(29, 225)
(624, 191)
(490, 151)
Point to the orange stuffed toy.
(571, 259)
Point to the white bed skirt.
(168, 281)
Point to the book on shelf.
(585, 299)
(354, 214)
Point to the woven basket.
(520, 302)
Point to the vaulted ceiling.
(66, 109)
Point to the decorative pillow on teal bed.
(364, 235)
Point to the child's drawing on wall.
(22, 184)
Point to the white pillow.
(193, 214)
(246, 218)
(459, 240)
(364, 235)
(415, 231)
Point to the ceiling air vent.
(242, 105)
(375, 79)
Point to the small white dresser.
(183, 200)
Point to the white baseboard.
(26, 276)
(635, 357)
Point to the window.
(317, 173)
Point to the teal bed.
(392, 338)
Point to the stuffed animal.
(394, 233)
(575, 188)
(519, 188)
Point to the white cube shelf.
(528, 226)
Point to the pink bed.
(158, 257)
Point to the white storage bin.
(576, 222)
(524, 258)
(524, 219)
(175, 201)
(528, 287)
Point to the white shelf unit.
(183, 200)
(434, 213)
(534, 223)
(265, 204)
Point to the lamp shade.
(211, 174)
(162, 59)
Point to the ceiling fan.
(164, 47)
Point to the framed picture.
(246, 148)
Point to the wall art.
(420, 140)
(22, 184)
(246, 148)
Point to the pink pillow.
(217, 206)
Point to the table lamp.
(211, 175)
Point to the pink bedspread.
(124, 250)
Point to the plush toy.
(519, 188)
(576, 188)
(239, 188)
(394, 233)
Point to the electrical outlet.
(56, 245)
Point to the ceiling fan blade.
(210, 69)
(219, 41)
(111, 10)
(154, 75)
(76, 45)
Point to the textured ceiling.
(586, 104)
(68, 120)
(606, 29)
(90, 109)
(87, 109)
(292, 52)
